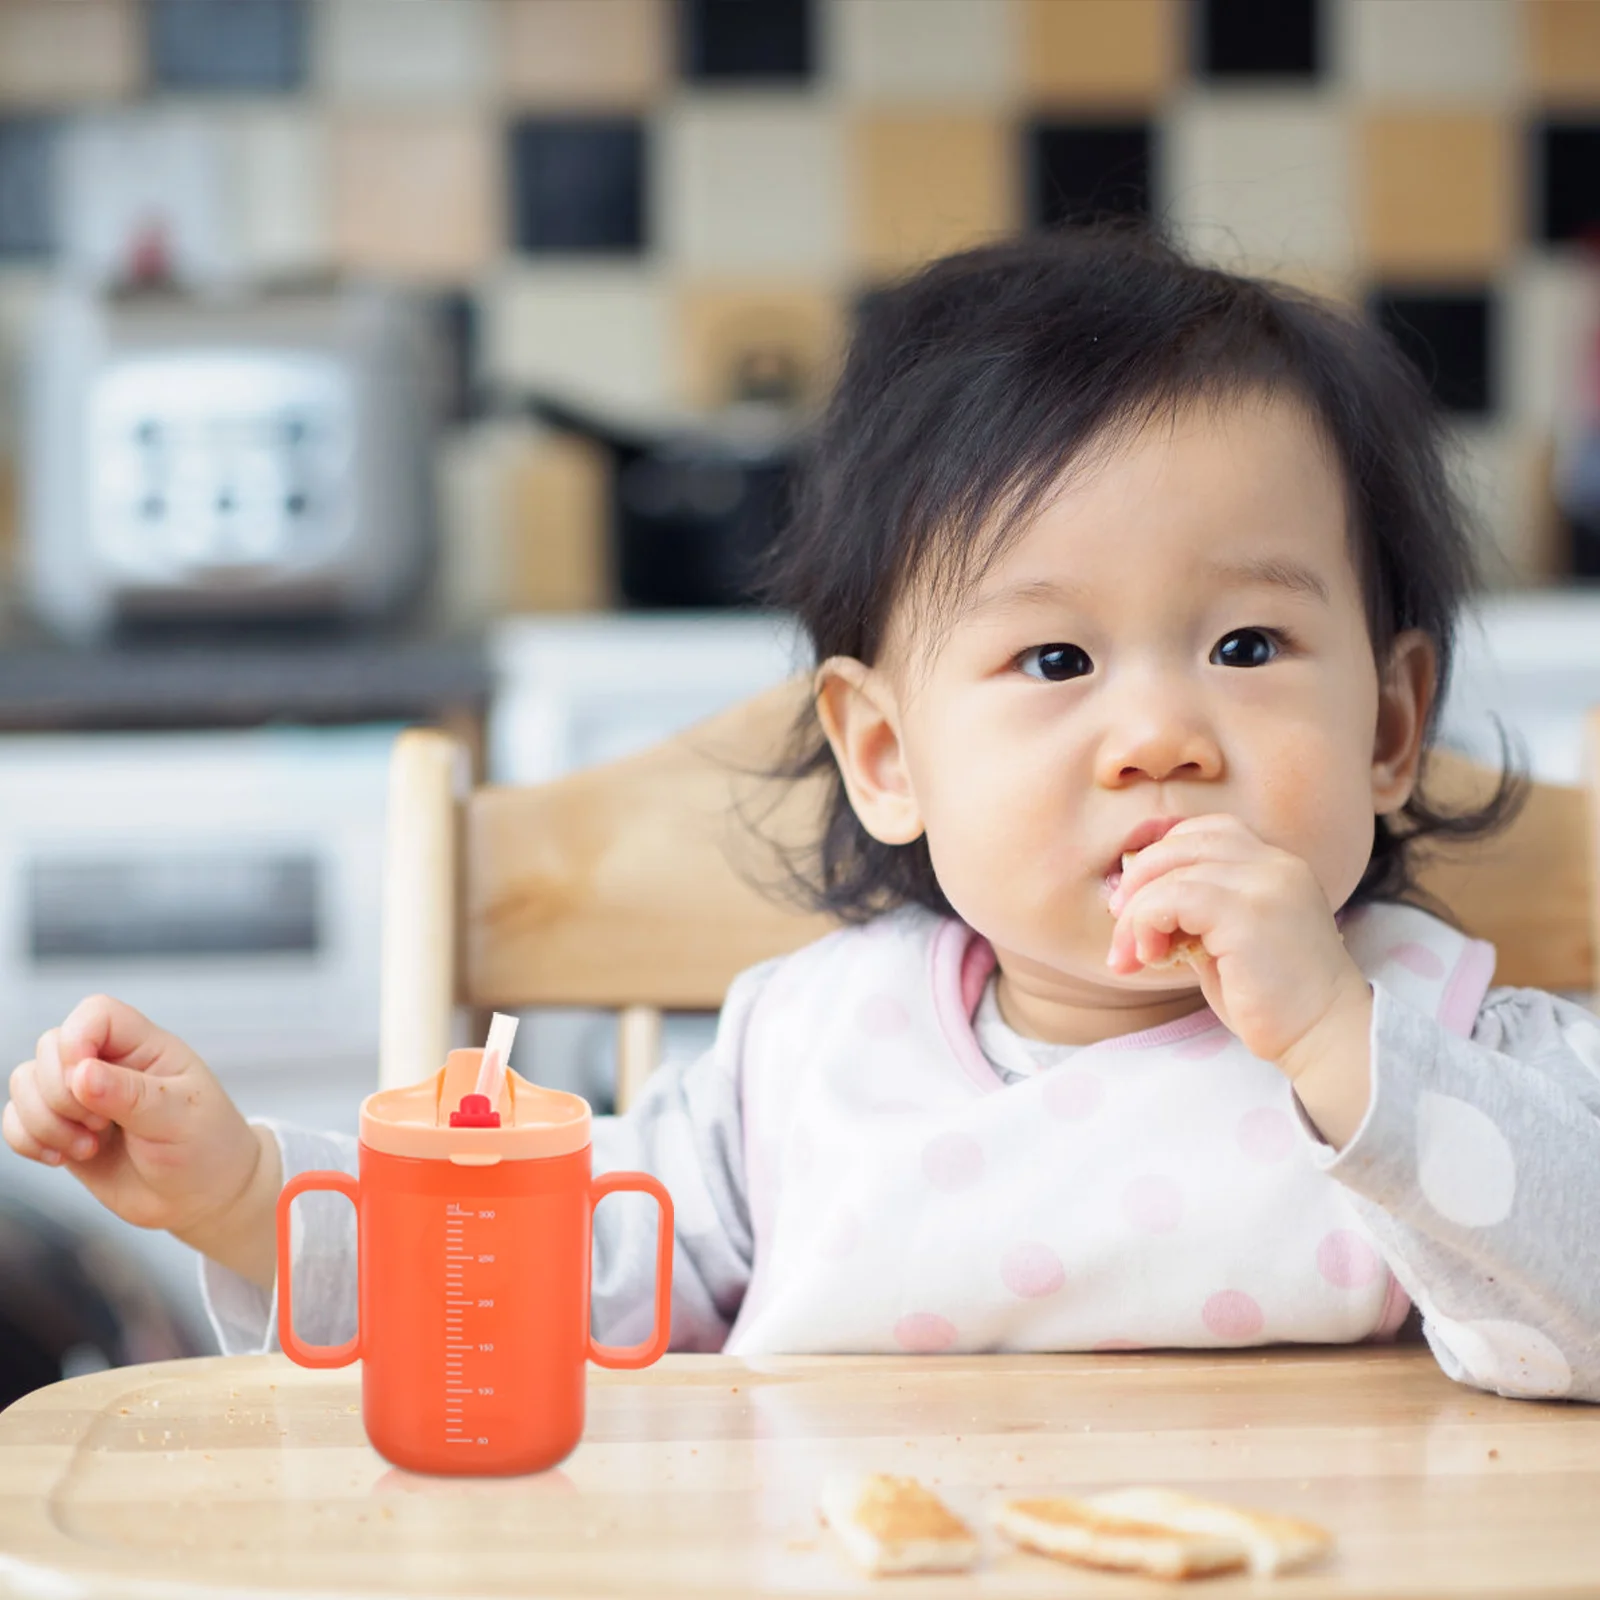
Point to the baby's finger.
(24, 1142)
(1205, 842)
(131, 1099)
(111, 1030)
(50, 1077)
(48, 1127)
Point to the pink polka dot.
(882, 1016)
(1232, 1314)
(924, 1333)
(1210, 1043)
(1120, 1344)
(1072, 1096)
(952, 1161)
(1418, 958)
(1153, 1204)
(841, 1236)
(1347, 1261)
(1031, 1271)
(1265, 1134)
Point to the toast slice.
(1162, 1532)
(1075, 1530)
(1272, 1544)
(894, 1525)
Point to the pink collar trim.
(959, 963)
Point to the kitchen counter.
(699, 1477)
(241, 680)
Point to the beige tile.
(414, 50)
(1422, 51)
(1563, 42)
(1101, 53)
(558, 526)
(1437, 193)
(595, 333)
(1260, 182)
(948, 51)
(925, 184)
(68, 50)
(415, 195)
(752, 182)
(725, 329)
(610, 53)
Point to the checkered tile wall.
(630, 193)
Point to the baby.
(1132, 585)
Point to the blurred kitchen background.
(365, 362)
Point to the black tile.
(765, 39)
(1077, 170)
(1567, 157)
(578, 184)
(1257, 38)
(239, 45)
(1449, 334)
(27, 186)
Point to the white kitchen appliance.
(252, 457)
(228, 885)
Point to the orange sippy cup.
(474, 1255)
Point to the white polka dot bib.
(1151, 1190)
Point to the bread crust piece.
(891, 1525)
(1272, 1543)
(1163, 1532)
(1075, 1530)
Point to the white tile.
(596, 333)
(898, 50)
(280, 166)
(1548, 328)
(1259, 181)
(752, 182)
(1428, 50)
(402, 49)
(1491, 464)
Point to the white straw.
(496, 1056)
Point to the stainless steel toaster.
(259, 458)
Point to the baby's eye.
(1054, 663)
(1264, 645)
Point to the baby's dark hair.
(970, 385)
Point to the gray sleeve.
(686, 1130)
(1477, 1171)
(322, 1254)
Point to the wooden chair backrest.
(634, 885)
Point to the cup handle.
(653, 1348)
(297, 1350)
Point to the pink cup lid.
(416, 1120)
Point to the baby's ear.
(858, 710)
(1405, 694)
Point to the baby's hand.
(1274, 965)
(136, 1116)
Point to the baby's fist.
(134, 1114)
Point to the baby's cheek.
(1321, 810)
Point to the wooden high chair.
(626, 886)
